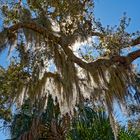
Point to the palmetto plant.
(88, 123)
(128, 135)
(91, 125)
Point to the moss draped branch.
(31, 25)
(64, 43)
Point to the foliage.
(128, 135)
(88, 123)
(48, 126)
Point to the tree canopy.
(44, 34)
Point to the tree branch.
(46, 33)
(133, 55)
(51, 75)
(74, 58)
(64, 44)
(135, 42)
(126, 60)
(32, 26)
(29, 25)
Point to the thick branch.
(52, 75)
(83, 64)
(32, 26)
(133, 55)
(74, 58)
(29, 25)
(126, 60)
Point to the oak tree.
(45, 34)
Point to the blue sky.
(109, 12)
